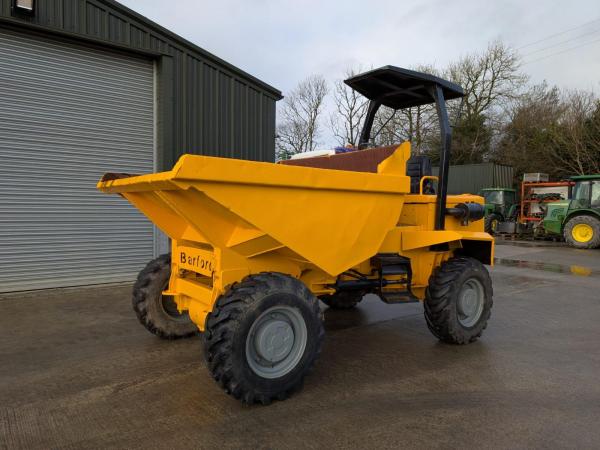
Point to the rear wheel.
(157, 312)
(458, 301)
(491, 223)
(583, 232)
(343, 299)
(263, 337)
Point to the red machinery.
(535, 194)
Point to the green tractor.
(577, 219)
(500, 206)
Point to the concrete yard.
(78, 371)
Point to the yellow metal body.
(230, 218)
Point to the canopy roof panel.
(400, 88)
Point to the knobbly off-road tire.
(451, 294)
(343, 299)
(490, 223)
(261, 309)
(589, 222)
(156, 312)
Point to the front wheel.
(583, 232)
(262, 337)
(458, 301)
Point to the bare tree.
(491, 80)
(552, 132)
(527, 136)
(576, 141)
(299, 128)
(350, 110)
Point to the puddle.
(532, 243)
(548, 267)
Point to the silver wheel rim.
(471, 299)
(276, 342)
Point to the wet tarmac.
(551, 254)
(78, 371)
(581, 271)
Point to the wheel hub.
(276, 342)
(471, 299)
(468, 303)
(582, 232)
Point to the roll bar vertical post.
(446, 138)
(365, 134)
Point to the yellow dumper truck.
(256, 245)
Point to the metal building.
(471, 178)
(89, 86)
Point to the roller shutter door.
(68, 114)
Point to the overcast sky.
(282, 42)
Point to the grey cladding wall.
(470, 178)
(205, 105)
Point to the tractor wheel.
(491, 223)
(458, 301)
(343, 299)
(157, 312)
(583, 232)
(262, 337)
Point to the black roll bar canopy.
(399, 88)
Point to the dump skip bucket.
(333, 219)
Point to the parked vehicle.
(255, 245)
(500, 206)
(577, 219)
(523, 216)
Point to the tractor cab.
(577, 219)
(500, 206)
(586, 193)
